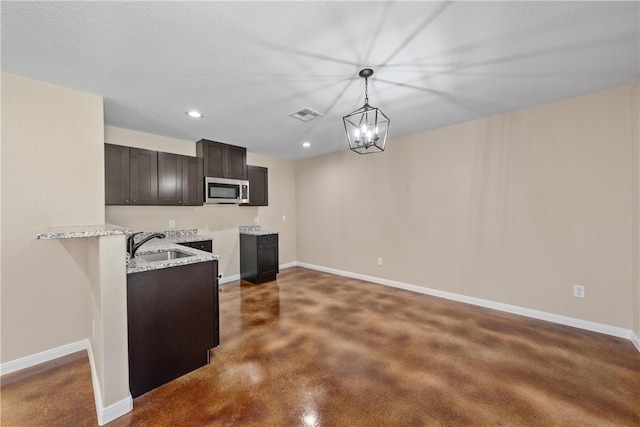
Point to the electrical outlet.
(172, 223)
(578, 291)
(379, 260)
(255, 219)
(284, 218)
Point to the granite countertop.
(255, 230)
(171, 242)
(79, 231)
(259, 232)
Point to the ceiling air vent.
(305, 114)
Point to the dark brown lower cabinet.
(203, 245)
(259, 261)
(173, 322)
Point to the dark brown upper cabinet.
(116, 159)
(179, 180)
(258, 186)
(143, 176)
(192, 180)
(222, 160)
(131, 176)
(134, 176)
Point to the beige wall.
(218, 221)
(635, 128)
(514, 209)
(52, 163)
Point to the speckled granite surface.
(188, 233)
(79, 231)
(171, 242)
(255, 230)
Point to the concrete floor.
(314, 349)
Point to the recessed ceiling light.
(306, 144)
(194, 114)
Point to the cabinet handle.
(134, 200)
(179, 202)
(126, 201)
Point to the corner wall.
(635, 139)
(514, 209)
(52, 175)
(108, 309)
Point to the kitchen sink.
(163, 256)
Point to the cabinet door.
(116, 159)
(169, 179)
(222, 160)
(143, 176)
(258, 186)
(214, 154)
(192, 181)
(236, 162)
(268, 259)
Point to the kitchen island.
(172, 311)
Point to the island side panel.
(172, 323)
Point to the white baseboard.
(104, 415)
(111, 412)
(42, 357)
(114, 411)
(237, 276)
(288, 265)
(522, 311)
(635, 340)
(228, 279)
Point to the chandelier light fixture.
(367, 127)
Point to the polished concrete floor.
(314, 349)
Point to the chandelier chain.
(366, 90)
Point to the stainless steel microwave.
(222, 190)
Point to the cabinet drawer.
(203, 245)
(268, 238)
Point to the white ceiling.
(247, 65)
